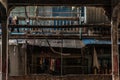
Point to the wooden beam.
(48, 18)
(62, 26)
(59, 2)
(16, 12)
(4, 44)
(57, 37)
(115, 41)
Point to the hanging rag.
(52, 65)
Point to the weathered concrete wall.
(13, 60)
(16, 60)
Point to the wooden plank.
(62, 26)
(48, 18)
(57, 37)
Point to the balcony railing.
(65, 31)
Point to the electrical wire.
(52, 48)
(26, 12)
(48, 41)
(44, 34)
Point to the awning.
(61, 43)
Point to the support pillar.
(4, 50)
(115, 40)
(4, 45)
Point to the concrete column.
(4, 47)
(21, 59)
(115, 56)
(4, 51)
(14, 62)
(115, 40)
(17, 60)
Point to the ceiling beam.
(48, 18)
(59, 2)
(29, 36)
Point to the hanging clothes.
(41, 61)
(52, 65)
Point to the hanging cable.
(47, 39)
(61, 56)
(51, 47)
(26, 14)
